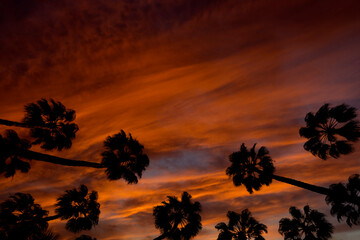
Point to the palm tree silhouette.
(250, 168)
(256, 169)
(51, 124)
(330, 131)
(85, 237)
(308, 225)
(11, 149)
(178, 220)
(241, 227)
(123, 157)
(46, 235)
(21, 218)
(79, 207)
(345, 200)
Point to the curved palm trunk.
(52, 218)
(12, 123)
(307, 186)
(164, 235)
(58, 160)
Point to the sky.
(191, 81)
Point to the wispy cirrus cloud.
(191, 81)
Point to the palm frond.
(11, 154)
(80, 208)
(250, 168)
(21, 217)
(309, 224)
(331, 131)
(124, 158)
(51, 124)
(345, 200)
(241, 226)
(178, 219)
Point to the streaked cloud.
(191, 80)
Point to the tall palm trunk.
(50, 218)
(165, 234)
(12, 123)
(307, 186)
(162, 236)
(18, 124)
(58, 160)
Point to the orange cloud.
(191, 81)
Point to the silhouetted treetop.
(345, 200)
(11, 154)
(21, 218)
(124, 158)
(80, 208)
(178, 219)
(241, 227)
(250, 168)
(85, 237)
(310, 225)
(330, 131)
(256, 169)
(46, 235)
(50, 123)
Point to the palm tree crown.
(330, 131)
(85, 237)
(310, 225)
(51, 124)
(47, 235)
(241, 227)
(250, 168)
(80, 208)
(21, 218)
(178, 220)
(124, 158)
(11, 154)
(345, 200)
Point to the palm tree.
(339, 200)
(79, 207)
(178, 219)
(11, 149)
(250, 168)
(256, 169)
(51, 124)
(241, 227)
(85, 237)
(309, 225)
(123, 157)
(330, 131)
(47, 235)
(21, 218)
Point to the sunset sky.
(191, 81)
